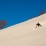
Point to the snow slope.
(25, 33)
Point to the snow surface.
(25, 33)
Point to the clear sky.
(16, 11)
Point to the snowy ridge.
(25, 33)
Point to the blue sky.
(16, 11)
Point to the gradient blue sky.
(16, 11)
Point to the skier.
(38, 25)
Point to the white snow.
(25, 33)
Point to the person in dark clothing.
(38, 25)
(2, 24)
